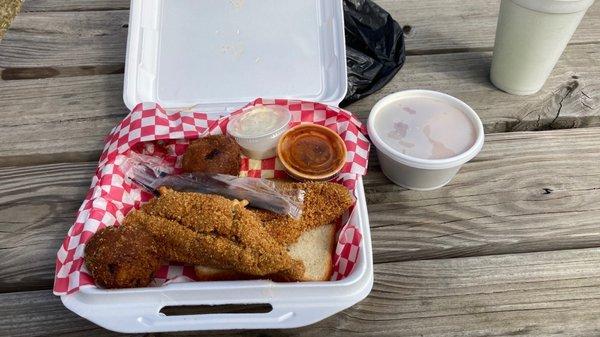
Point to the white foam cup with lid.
(530, 37)
(423, 137)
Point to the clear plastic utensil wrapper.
(151, 173)
(530, 37)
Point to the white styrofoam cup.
(530, 37)
(418, 173)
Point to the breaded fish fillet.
(206, 229)
(324, 202)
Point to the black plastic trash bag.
(374, 48)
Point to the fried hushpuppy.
(122, 257)
(213, 154)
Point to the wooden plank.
(525, 192)
(454, 25)
(73, 5)
(65, 39)
(57, 39)
(40, 313)
(37, 207)
(535, 294)
(570, 97)
(38, 113)
(62, 119)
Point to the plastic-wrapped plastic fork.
(150, 173)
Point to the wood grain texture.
(73, 5)
(37, 207)
(40, 313)
(61, 119)
(535, 294)
(454, 25)
(83, 38)
(570, 97)
(526, 191)
(37, 114)
(65, 39)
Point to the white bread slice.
(314, 248)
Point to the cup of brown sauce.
(311, 152)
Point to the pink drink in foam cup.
(423, 137)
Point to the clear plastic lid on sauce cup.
(423, 137)
(258, 130)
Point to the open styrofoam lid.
(220, 54)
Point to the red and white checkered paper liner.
(149, 129)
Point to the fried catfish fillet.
(324, 202)
(211, 230)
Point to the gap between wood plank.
(38, 113)
(32, 6)
(48, 284)
(526, 192)
(537, 294)
(419, 52)
(423, 36)
(11, 74)
(24, 10)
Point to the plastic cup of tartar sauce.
(423, 137)
(258, 130)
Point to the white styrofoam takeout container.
(215, 56)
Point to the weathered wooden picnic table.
(510, 247)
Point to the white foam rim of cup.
(431, 164)
(555, 6)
